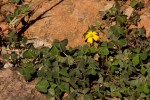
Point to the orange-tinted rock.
(145, 21)
(13, 87)
(70, 19)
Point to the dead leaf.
(4, 28)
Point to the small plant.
(117, 68)
(18, 11)
(15, 1)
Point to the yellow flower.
(111, 59)
(91, 36)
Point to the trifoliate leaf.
(42, 86)
(136, 60)
(143, 55)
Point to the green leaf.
(46, 62)
(51, 91)
(42, 86)
(63, 86)
(59, 46)
(37, 53)
(116, 94)
(41, 73)
(133, 3)
(101, 79)
(27, 75)
(121, 19)
(113, 88)
(62, 59)
(79, 74)
(24, 40)
(122, 42)
(14, 1)
(112, 12)
(115, 63)
(136, 60)
(6, 56)
(73, 84)
(64, 72)
(140, 88)
(92, 50)
(9, 18)
(140, 5)
(121, 30)
(29, 69)
(24, 8)
(85, 48)
(110, 45)
(144, 55)
(56, 66)
(63, 45)
(113, 69)
(143, 88)
(133, 83)
(143, 70)
(104, 44)
(117, 6)
(72, 72)
(16, 12)
(137, 50)
(45, 50)
(70, 60)
(91, 70)
(14, 55)
(53, 85)
(92, 28)
(64, 42)
(28, 54)
(97, 24)
(12, 37)
(142, 31)
(73, 95)
(116, 32)
(54, 51)
(103, 51)
(56, 43)
(82, 64)
(88, 97)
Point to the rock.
(69, 19)
(129, 12)
(8, 65)
(4, 28)
(13, 87)
(108, 6)
(145, 21)
(38, 43)
(2, 18)
(146, 1)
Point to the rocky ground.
(63, 19)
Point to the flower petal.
(87, 36)
(89, 32)
(96, 38)
(95, 33)
(90, 40)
